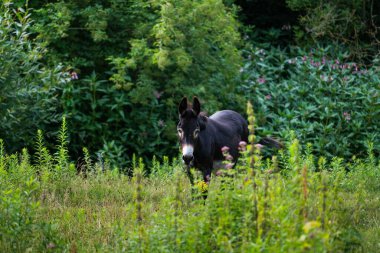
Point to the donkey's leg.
(207, 178)
(207, 175)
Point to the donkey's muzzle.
(187, 159)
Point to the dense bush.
(331, 103)
(352, 23)
(187, 48)
(132, 61)
(28, 90)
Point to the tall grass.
(294, 202)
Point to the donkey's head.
(189, 126)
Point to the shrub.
(28, 90)
(186, 47)
(348, 22)
(327, 101)
(20, 228)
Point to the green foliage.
(351, 23)
(178, 48)
(28, 90)
(306, 207)
(328, 102)
(20, 227)
(191, 48)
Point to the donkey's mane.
(202, 120)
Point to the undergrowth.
(294, 202)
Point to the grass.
(293, 203)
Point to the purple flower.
(261, 80)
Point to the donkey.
(202, 138)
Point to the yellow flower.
(202, 186)
(311, 225)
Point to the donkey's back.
(229, 128)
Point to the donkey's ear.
(196, 106)
(182, 106)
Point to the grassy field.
(293, 203)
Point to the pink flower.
(242, 144)
(268, 97)
(261, 80)
(347, 116)
(219, 173)
(229, 157)
(229, 166)
(157, 94)
(225, 149)
(258, 146)
(74, 75)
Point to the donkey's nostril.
(187, 158)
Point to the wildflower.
(242, 144)
(161, 123)
(74, 75)
(157, 94)
(268, 97)
(241, 70)
(219, 173)
(347, 116)
(225, 149)
(261, 80)
(304, 58)
(258, 146)
(50, 245)
(202, 186)
(229, 157)
(229, 166)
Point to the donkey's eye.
(196, 133)
(180, 132)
